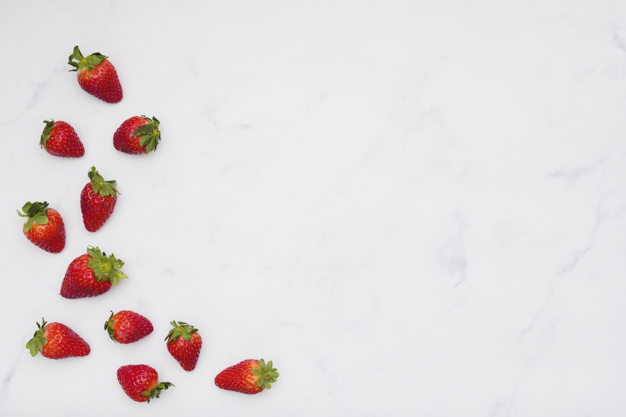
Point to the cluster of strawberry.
(94, 273)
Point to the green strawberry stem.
(150, 134)
(100, 186)
(180, 329)
(36, 212)
(156, 391)
(88, 63)
(267, 374)
(105, 268)
(35, 345)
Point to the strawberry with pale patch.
(44, 226)
(57, 341)
(137, 135)
(97, 200)
(91, 274)
(97, 76)
(60, 139)
(248, 377)
(127, 326)
(184, 344)
(141, 382)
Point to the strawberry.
(184, 344)
(249, 377)
(141, 382)
(97, 76)
(57, 341)
(137, 135)
(127, 326)
(60, 139)
(97, 200)
(91, 274)
(44, 227)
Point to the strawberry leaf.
(92, 61)
(105, 268)
(36, 212)
(47, 131)
(156, 391)
(108, 327)
(144, 130)
(267, 374)
(116, 276)
(41, 218)
(77, 56)
(29, 224)
(88, 63)
(180, 329)
(149, 134)
(100, 186)
(36, 344)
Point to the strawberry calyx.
(47, 131)
(100, 186)
(180, 329)
(267, 374)
(88, 63)
(36, 344)
(150, 134)
(156, 391)
(105, 268)
(36, 212)
(108, 326)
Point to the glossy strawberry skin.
(80, 281)
(128, 327)
(50, 236)
(96, 75)
(60, 139)
(124, 141)
(101, 82)
(138, 379)
(57, 341)
(96, 209)
(240, 378)
(63, 342)
(186, 352)
(91, 274)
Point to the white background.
(412, 208)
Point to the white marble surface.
(412, 208)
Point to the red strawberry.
(141, 382)
(97, 200)
(44, 227)
(184, 344)
(57, 341)
(127, 326)
(97, 76)
(249, 377)
(60, 139)
(91, 274)
(137, 135)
